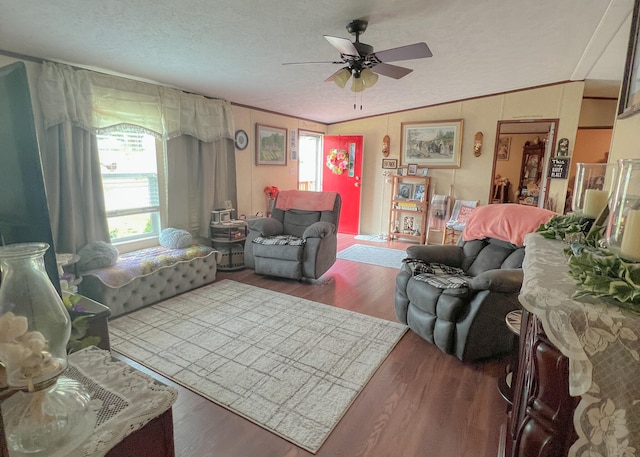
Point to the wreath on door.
(338, 161)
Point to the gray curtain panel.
(201, 176)
(71, 169)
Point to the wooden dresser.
(576, 391)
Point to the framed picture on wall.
(431, 144)
(504, 147)
(271, 145)
(390, 164)
(630, 94)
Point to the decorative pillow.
(174, 238)
(98, 254)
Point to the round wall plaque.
(242, 140)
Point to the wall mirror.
(520, 158)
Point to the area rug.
(290, 365)
(384, 257)
(372, 238)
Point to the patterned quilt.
(145, 262)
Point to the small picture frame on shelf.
(408, 225)
(405, 190)
(412, 169)
(418, 192)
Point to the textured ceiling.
(234, 49)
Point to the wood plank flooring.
(420, 402)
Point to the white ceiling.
(234, 49)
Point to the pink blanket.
(305, 200)
(508, 222)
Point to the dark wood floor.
(420, 402)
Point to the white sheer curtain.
(76, 104)
(95, 102)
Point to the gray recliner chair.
(299, 240)
(457, 297)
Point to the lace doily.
(602, 343)
(123, 398)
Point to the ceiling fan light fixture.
(341, 77)
(369, 78)
(357, 85)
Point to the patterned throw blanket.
(145, 262)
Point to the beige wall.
(252, 178)
(473, 180)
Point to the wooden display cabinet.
(409, 208)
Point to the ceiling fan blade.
(343, 45)
(304, 63)
(392, 71)
(411, 51)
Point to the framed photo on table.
(271, 145)
(630, 94)
(432, 144)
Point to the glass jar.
(34, 324)
(595, 183)
(34, 331)
(623, 228)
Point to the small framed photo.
(412, 169)
(228, 204)
(405, 190)
(418, 192)
(391, 164)
(425, 172)
(408, 224)
(504, 147)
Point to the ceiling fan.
(363, 64)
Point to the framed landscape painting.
(432, 144)
(271, 145)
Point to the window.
(130, 181)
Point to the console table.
(577, 390)
(133, 409)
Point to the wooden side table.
(134, 417)
(513, 321)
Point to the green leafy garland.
(596, 270)
(559, 227)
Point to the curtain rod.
(40, 60)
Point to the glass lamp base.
(49, 420)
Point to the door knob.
(357, 184)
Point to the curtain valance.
(98, 102)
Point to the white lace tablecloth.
(124, 399)
(602, 344)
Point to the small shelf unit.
(228, 238)
(409, 208)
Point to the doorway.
(310, 161)
(520, 161)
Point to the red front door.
(347, 184)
